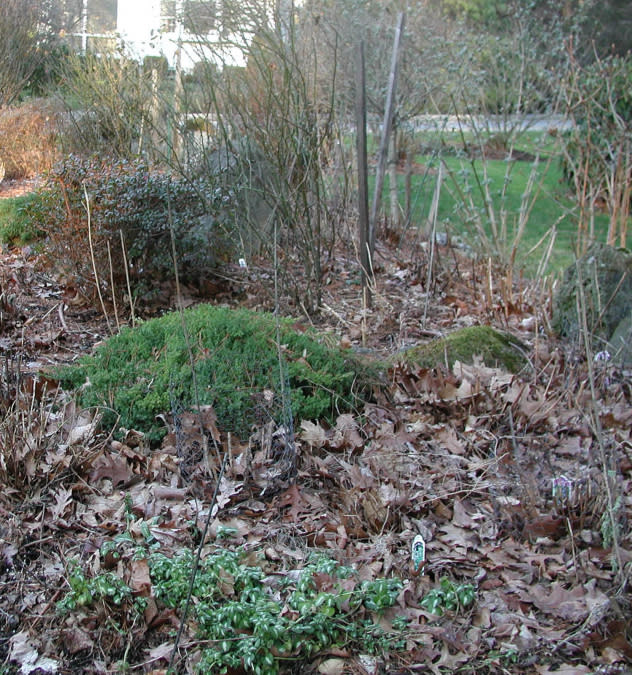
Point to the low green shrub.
(132, 212)
(233, 362)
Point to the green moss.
(146, 371)
(496, 349)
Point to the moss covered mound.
(147, 370)
(496, 349)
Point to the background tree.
(598, 149)
(608, 25)
(27, 38)
(517, 69)
(333, 29)
(478, 12)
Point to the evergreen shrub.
(129, 199)
(233, 364)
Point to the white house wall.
(137, 21)
(139, 24)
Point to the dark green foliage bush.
(141, 204)
(145, 371)
(606, 281)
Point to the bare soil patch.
(18, 186)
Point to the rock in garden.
(604, 277)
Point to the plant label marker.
(418, 555)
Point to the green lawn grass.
(16, 223)
(544, 196)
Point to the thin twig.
(196, 562)
(116, 317)
(94, 264)
(127, 281)
(60, 314)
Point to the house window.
(200, 16)
(71, 12)
(232, 16)
(168, 16)
(101, 16)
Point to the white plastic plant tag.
(418, 554)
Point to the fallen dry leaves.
(467, 458)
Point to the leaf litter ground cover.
(501, 475)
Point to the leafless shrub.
(106, 100)
(28, 144)
(598, 152)
(271, 135)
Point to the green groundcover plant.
(250, 622)
(448, 596)
(231, 359)
(256, 622)
(252, 619)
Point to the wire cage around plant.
(252, 367)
